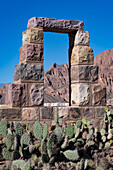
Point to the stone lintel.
(56, 25)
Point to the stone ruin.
(25, 98)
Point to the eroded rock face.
(82, 38)
(84, 73)
(56, 82)
(31, 53)
(29, 72)
(105, 62)
(82, 54)
(36, 93)
(57, 25)
(80, 94)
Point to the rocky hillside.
(105, 62)
(56, 81)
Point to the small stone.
(29, 72)
(36, 94)
(30, 113)
(87, 112)
(46, 113)
(31, 53)
(84, 73)
(82, 38)
(16, 95)
(34, 35)
(98, 95)
(74, 113)
(80, 94)
(63, 113)
(82, 54)
(11, 113)
(99, 111)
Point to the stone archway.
(27, 92)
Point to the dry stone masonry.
(26, 96)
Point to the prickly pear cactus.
(56, 118)
(70, 130)
(43, 147)
(9, 141)
(8, 155)
(65, 143)
(25, 139)
(15, 143)
(51, 141)
(18, 163)
(37, 130)
(18, 129)
(78, 123)
(59, 134)
(45, 131)
(3, 128)
(27, 166)
(72, 155)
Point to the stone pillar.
(85, 90)
(28, 87)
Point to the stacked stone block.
(28, 87)
(85, 89)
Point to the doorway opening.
(56, 69)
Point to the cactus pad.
(25, 139)
(45, 131)
(7, 154)
(71, 155)
(70, 130)
(37, 130)
(19, 129)
(3, 128)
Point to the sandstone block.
(87, 112)
(55, 25)
(46, 113)
(74, 113)
(31, 53)
(30, 114)
(82, 54)
(27, 72)
(83, 73)
(80, 94)
(98, 95)
(99, 111)
(82, 38)
(33, 35)
(36, 94)
(16, 95)
(11, 113)
(63, 113)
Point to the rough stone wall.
(26, 96)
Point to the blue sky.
(96, 14)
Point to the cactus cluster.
(77, 143)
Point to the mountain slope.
(105, 62)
